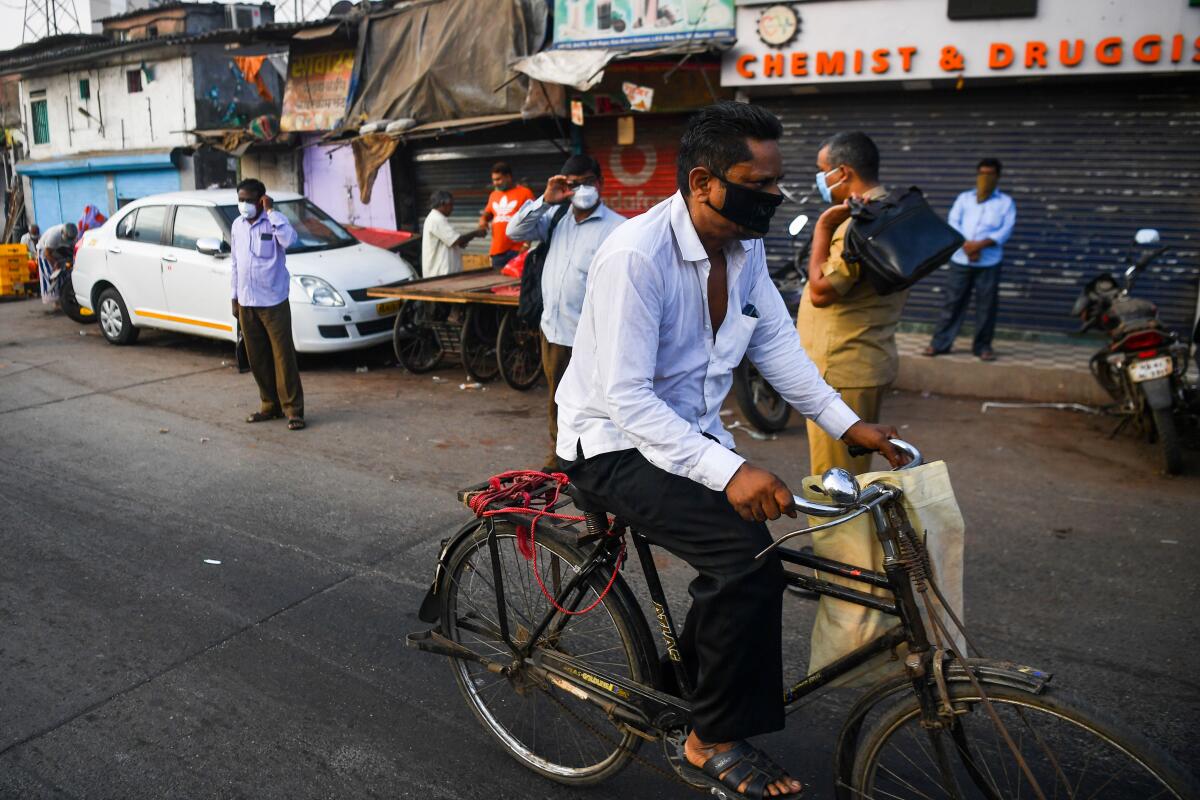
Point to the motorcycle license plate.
(1150, 369)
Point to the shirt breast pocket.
(734, 338)
(263, 245)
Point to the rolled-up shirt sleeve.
(776, 351)
(627, 335)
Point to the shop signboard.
(317, 87)
(640, 23)
(915, 40)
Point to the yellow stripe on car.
(183, 320)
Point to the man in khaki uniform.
(846, 327)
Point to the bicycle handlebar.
(814, 509)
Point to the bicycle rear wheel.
(1071, 753)
(547, 729)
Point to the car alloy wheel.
(112, 321)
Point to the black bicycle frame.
(647, 706)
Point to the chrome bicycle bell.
(841, 487)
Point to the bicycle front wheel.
(1070, 753)
(549, 730)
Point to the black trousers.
(732, 638)
(959, 282)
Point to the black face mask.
(748, 207)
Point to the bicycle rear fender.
(431, 610)
(1003, 673)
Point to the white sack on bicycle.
(933, 511)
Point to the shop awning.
(98, 163)
(581, 69)
(382, 237)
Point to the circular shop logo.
(778, 25)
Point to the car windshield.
(315, 230)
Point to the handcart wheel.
(480, 328)
(519, 352)
(418, 348)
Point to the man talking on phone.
(261, 282)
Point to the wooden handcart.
(471, 316)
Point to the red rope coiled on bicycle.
(533, 493)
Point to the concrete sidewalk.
(1044, 372)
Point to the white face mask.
(247, 210)
(585, 197)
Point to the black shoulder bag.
(898, 239)
(529, 306)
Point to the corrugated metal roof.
(90, 47)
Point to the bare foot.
(698, 752)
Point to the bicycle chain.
(645, 762)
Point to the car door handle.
(172, 259)
(114, 249)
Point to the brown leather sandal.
(264, 416)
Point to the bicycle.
(573, 695)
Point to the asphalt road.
(131, 667)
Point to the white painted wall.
(152, 119)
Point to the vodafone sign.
(883, 40)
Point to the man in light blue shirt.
(261, 283)
(985, 217)
(576, 236)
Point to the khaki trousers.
(267, 331)
(825, 452)
(555, 358)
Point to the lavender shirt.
(260, 276)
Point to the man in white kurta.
(441, 244)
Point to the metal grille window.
(133, 80)
(85, 89)
(39, 113)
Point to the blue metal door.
(137, 184)
(61, 199)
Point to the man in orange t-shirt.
(502, 204)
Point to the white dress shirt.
(564, 275)
(646, 371)
(439, 256)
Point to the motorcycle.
(66, 290)
(1143, 364)
(758, 401)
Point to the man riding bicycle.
(675, 298)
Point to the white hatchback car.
(163, 262)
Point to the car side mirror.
(210, 246)
(1146, 236)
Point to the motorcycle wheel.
(760, 404)
(1169, 448)
(68, 303)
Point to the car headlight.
(319, 292)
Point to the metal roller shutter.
(61, 199)
(639, 175)
(1087, 164)
(465, 172)
(137, 184)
